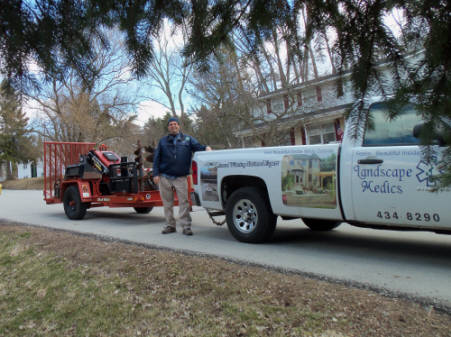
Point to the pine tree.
(58, 35)
(16, 143)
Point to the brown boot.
(168, 230)
(187, 231)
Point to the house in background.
(312, 112)
(24, 170)
(31, 170)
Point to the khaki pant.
(180, 185)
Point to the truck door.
(391, 183)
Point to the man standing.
(171, 165)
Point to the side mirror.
(437, 139)
(417, 129)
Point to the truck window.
(382, 131)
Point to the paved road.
(414, 264)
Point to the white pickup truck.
(375, 178)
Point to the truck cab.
(386, 179)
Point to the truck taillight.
(194, 169)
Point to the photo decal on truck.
(309, 180)
(209, 183)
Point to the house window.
(329, 135)
(277, 105)
(321, 134)
(299, 96)
(314, 135)
(315, 139)
(268, 106)
(319, 96)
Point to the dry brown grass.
(24, 184)
(61, 284)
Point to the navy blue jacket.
(174, 158)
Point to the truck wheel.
(249, 216)
(143, 210)
(320, 225)
(73, 207)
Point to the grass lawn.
(24, 184)
(55, 283)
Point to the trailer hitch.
(213, 214)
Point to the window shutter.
(299, 96)
(268, 106)
(285, 102)
(292, 137)
(319, 96)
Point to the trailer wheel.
(249, 216)
(320, 225)
(143, 210)
(73, 207)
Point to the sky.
(142, 89)
(150, 108)
(147, 109)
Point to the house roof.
(293, 120)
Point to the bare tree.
(224, 102)
(228, 103)
(276, 64)
(168, 72)
(91, 105)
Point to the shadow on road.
(369, 243)
(114, 218)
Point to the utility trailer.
(82, 177)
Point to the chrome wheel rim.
(245, 216)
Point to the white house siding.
(23, 170)
(309, 117)
(314, 116)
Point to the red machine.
(81, 177)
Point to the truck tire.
(73, 207)
(249, 216)
(320, 225)
(143, 210)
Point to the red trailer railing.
(57, 156)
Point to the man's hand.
(156, 180)
(208, 148)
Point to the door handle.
(370, 161)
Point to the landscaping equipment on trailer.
(81, 177)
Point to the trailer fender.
(84, 189)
